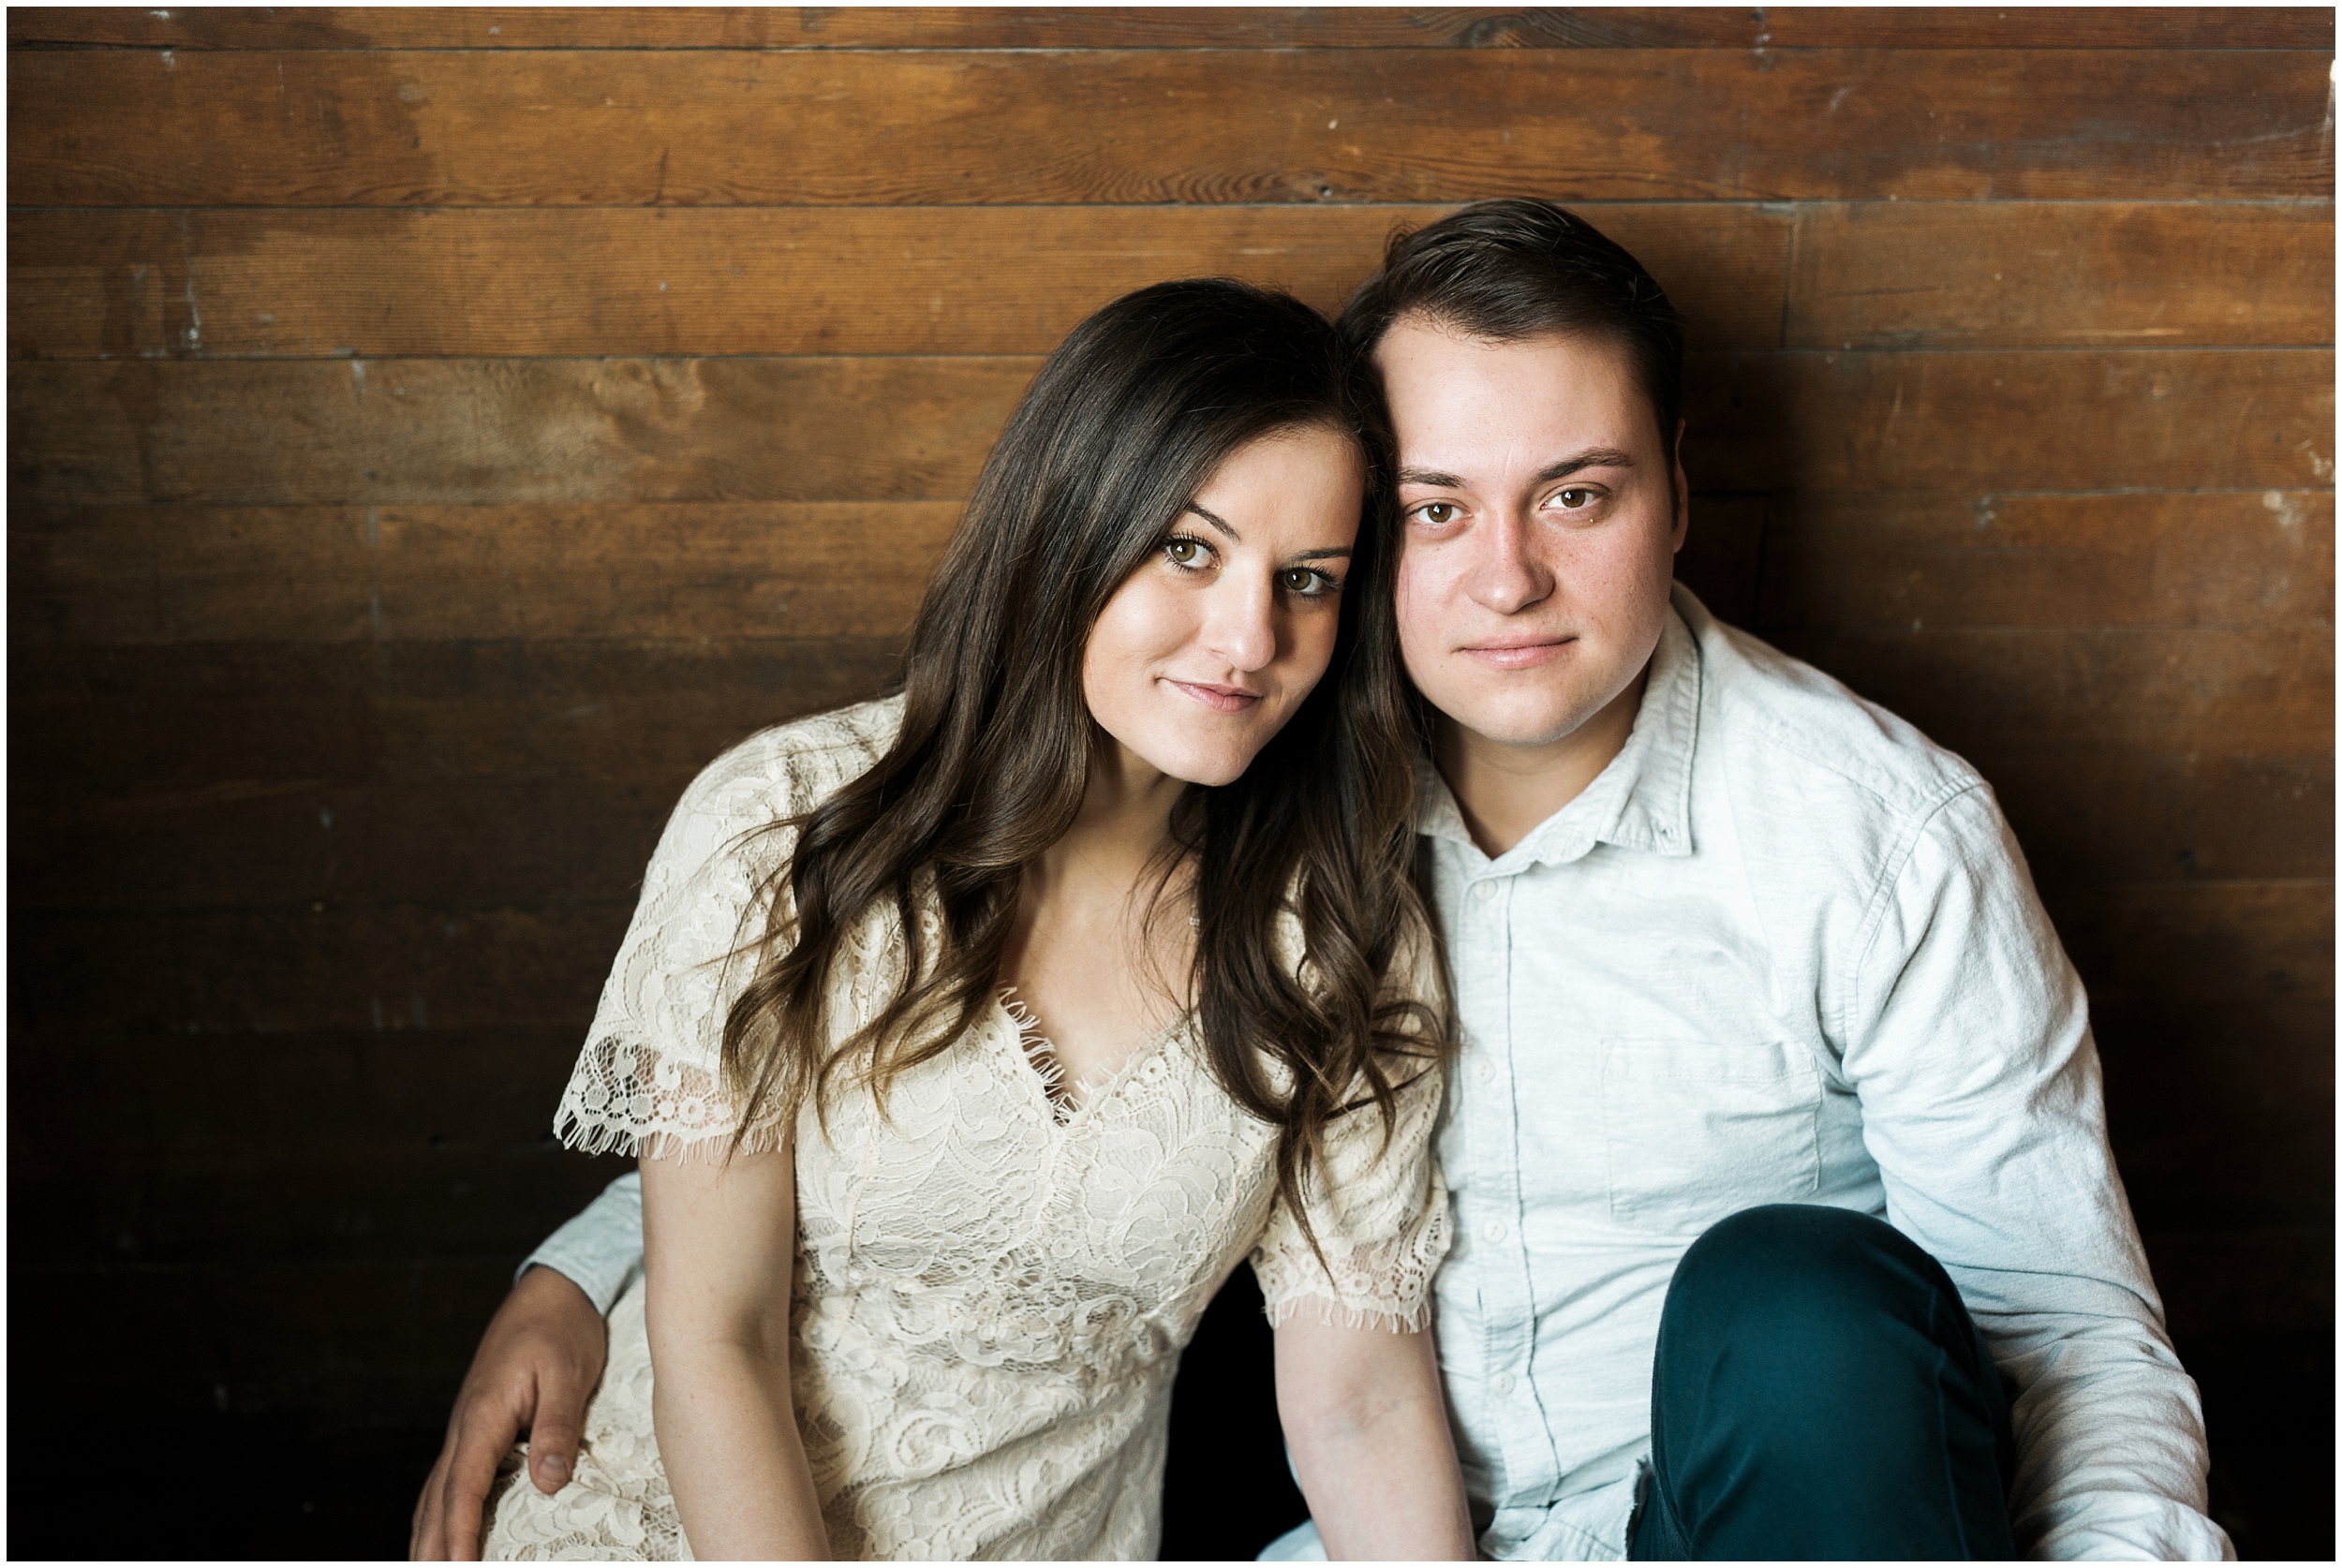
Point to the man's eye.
(1575, 497)
(1438, 513)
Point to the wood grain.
(391, 971)
(455, 844)
(618, 127)
(128, 575)
(469, 431)
(1896, 275)
(341, 27)
(422, 432)
(2053, 691)
(230, 721)
(2110, 814)
(2237, 558)
(843, 280)
(2086, 419)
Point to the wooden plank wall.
(435, 433)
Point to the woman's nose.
(1241, 626)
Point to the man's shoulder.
(1780, 723)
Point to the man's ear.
(1683, 488)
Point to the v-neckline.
(1036, 1056)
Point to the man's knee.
(1811, 1285)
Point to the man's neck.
(1504, 792)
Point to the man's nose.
(1507, 574)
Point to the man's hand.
(533, 1373)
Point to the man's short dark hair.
(1518, 267)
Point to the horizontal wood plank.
(614, 128)
(2096, 815)
(389, 970)
(846, 280)
(230, 721)
(2086, 419)
(126, 575)
(341, 27)
(2234, 558)
(1924, 274)
(465, 432)
(2053, 692)
(293, 845)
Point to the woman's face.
(1206, 650)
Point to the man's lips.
(1516, 652)
(1219, 699)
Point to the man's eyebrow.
(1594, 457)
(1218, 522)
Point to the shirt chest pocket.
(1695, 1129)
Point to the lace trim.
(1040, 1055)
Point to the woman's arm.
(719, 1241)
(1368, 1429)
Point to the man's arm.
(1967, 1035)
(534, 1369)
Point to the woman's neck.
(1096, 955)
(1122, 828)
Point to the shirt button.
(1484, 890)
(1502, 1382)
(1493, 1230)
(1485, 1071)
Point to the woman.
(971, 1038)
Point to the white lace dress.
(993, 1286)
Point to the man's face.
(1540, 527)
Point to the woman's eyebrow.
(1342, 550)
(1218, 522)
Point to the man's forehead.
(1470, 404)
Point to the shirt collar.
(1641, 801)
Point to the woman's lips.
(1517, 656)
(1219, 699)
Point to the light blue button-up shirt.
(1782, 949)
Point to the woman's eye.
(1306, 580)
(1184, 551)
(1438, 513)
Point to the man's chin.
(1517, 724)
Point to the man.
(1786, 1221)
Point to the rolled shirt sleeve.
(599, 1250)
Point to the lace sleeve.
(649, 1079)
(1380, 1211)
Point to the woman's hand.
(534, 1369)
(718, 1242)
(1368, 1428)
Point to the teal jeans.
(1820, 1393)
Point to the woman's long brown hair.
(1122, 428)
